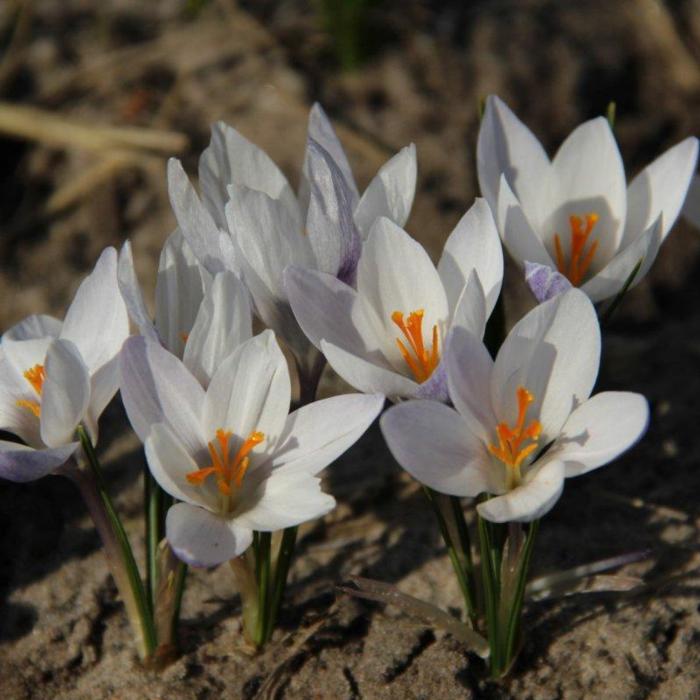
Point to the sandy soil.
(63, 634)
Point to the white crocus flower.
(200, 318)
(387, 334)
(523, 423)
(232, 453)
(575, 213)
(250, 219)
(57, 375)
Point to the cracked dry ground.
(62, 631)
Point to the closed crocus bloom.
(233, 454)
(55, 376)
(199, 317)
(523, 423)
(575, 214)
(250, 219)
(387, 334)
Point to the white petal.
(103, 386)
(318, 433)
(390, 193)
(34, 327)
(269, 236)
(366, 376)
(691, 208)
(283, 500)
(660, 189)
(554, 352)
(180, 288)
(433, 443)
(473, 245)
(506, 147)
(470, 311)
(611, 279)
(201, 538)
(14, 417)
(250, 391)
(170, 463)
(534, 498)
(232, 159)
(327, 308)
(131, 293)
(469, 368)
(521, 240)
(223, 322)
(194, 220)
(600, 429)
(331, 230)
(20, 463)
(396, 274)
(157, 388)
(321, 131)
(65, 394)
(587, 175)
(22, 355)
(97, 320)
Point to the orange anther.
(579, 258)
(510, 449)
(226, 468)
(420, 361)
(35, 376)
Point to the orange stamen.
(422, 362)
(35, 376)
(580, 259)
(510, 449)
(226, 468)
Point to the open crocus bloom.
(248, 207)
(233, 454)
(523, 423)
(56, 375)
(575, 213)
(200, 318)
(388, 334)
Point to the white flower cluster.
(333, 274)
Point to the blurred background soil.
(133, 83)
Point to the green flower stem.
(279, 580)
(457, 543)
(157, 504)
(243, 568)
(262, 574)
(120, 557)
(514, 623)
(167, 600)
(491, 594)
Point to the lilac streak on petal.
(19, 463)
(545, 282)
(435, 387)
(330, 216)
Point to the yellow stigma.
(226, 467)
(510, 449)
(579, 258)
(36, 377)
(420, 361)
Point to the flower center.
(224, 466)
(580, 259)
(511, 449)
(35, 376)
(419, 360)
